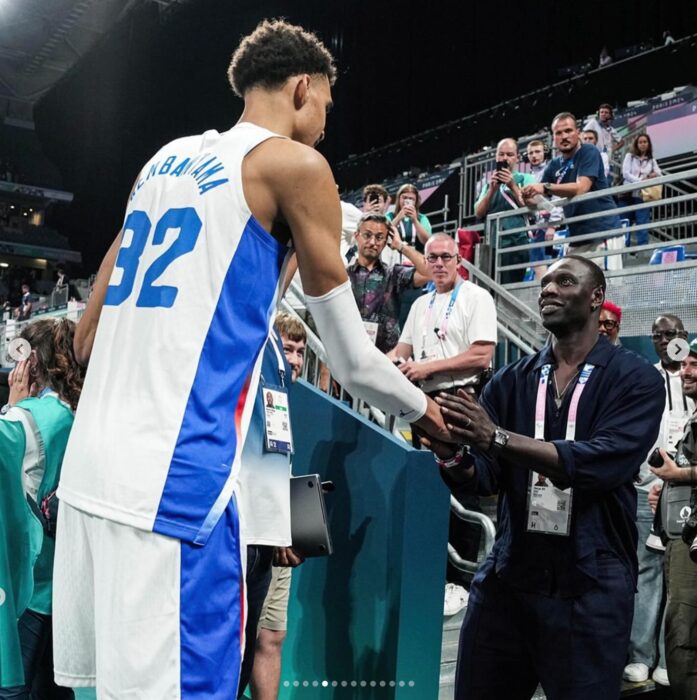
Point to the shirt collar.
(599, 355)
(356, 265)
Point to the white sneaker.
(636, 673)
(660, 676)
(456, 598)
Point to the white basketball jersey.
(174, 368)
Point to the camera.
(655, 460)
(689, 530)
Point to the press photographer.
(677, 500)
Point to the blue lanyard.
(561, 173)
(443, 329)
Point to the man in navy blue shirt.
(578, 170)
(554, 601)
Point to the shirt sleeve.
(403, 277)
(408, 330)
(423, 220)
(485, 189)
(548, 174)
(481, 318)
(589, 163)
(622, 435)
(655, 167)
(627, 169)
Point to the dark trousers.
(575, 647)
(257, 580)
(681, 621)
(36, 639)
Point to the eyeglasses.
(670, 334)
(379, 238)
(608, 324)
(445, 257)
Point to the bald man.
(503, 193)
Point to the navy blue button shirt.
(617, 424)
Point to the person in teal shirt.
(503, 193)
(34, 430)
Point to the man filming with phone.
(681, 552)
(503, 192)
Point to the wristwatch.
(499, 440)
(547, 187)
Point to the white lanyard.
(573, 407)
(279, 358)
(443, 329)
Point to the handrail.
(488, 532)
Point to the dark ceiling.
(403, 67)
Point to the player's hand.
(529, 191)
(432, 422)
(287, 556)
(442, 450)
(466, 419)
(415, 371)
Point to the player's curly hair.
(275, 51)
(56, 366)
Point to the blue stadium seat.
(670, 254)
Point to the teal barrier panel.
(366, 622)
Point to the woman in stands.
(639, 165)
(414, 227)
(34, 429)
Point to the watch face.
(500, 438)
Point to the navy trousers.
(576, 648)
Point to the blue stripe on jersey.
(207, 441)
(210, 614)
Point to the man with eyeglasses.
(609, 321)
(377, 287)
(450, 334)
(647, 643)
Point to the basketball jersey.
(174, 368)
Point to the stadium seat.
(670, 254)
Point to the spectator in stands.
(378, 288)
(681, 571)
(23, 311)
(34, 429)
(545, 221)
(450, 334)
(640, 165)
(591, 136)
(272, 625)
(375, 199)
(414, 229)
(579, 169)
(264, 483)
(553, 602)
(647, 642)
(609, 139)
(609, 321)
(503, 192)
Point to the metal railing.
(668, 220)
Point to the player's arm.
(87, 326)
(305, 190)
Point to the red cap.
(612, 308)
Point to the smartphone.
(372, 198)
(655, 460)
(501, 165)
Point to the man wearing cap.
(646, 644)
(681, 571)
(553, 602)
(609, 320)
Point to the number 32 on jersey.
(188, 226)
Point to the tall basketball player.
(148, 581)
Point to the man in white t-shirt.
(609, 139)
(450, 334)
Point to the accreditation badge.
(549, 508)
(278, 435)
(676, 428)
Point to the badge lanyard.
(670, 396)
(549, 508)
(443, 329)
(561, 173)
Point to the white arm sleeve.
(355, 362)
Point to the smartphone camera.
(501, 165)
(655, 460)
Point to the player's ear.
(301, 90)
